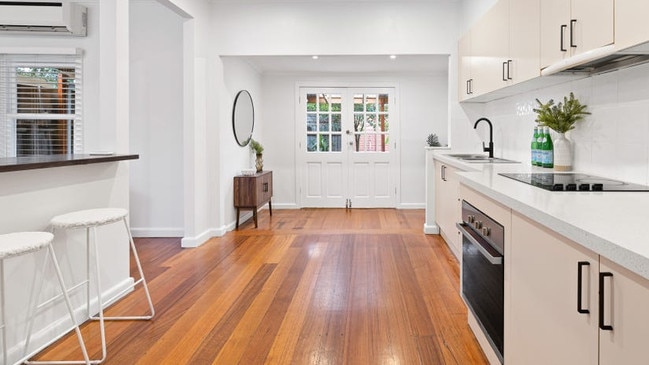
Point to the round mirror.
(243, 118)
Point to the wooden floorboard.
(309, 286)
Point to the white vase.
(562, 153)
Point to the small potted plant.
(561, 118)
(258, 149)
(433, 140)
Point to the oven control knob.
(477, 225)
(557, 187)
(571, 187)
(598, 187)
(471, 218)
(486, 231)
(584, 187)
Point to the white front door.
(346, 147)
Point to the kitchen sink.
(478, 158)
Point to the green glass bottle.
(547, 148)
(535, 147)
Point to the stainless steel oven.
(483, 274)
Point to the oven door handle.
(484, 247)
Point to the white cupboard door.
(447, 206)
(545, 326)
(626, 310)
(464, 67)
(631, 25)
(591, 24)
(555, 37)
(524, 40)
(490, 49)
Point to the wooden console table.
(252, 192)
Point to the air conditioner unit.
(43, 17)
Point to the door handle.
(348, 132)
(509, 69)
(572, 33)
(602, 276)
(487, 251)
(580, 266)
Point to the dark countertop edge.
(43, 162)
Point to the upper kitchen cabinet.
(631, 25)
(501, 49)
(524, 40)
(490, 49)
(464, 67)
(571, 27)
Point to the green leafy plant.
(433, 140)
(256, 147)
(560, 117)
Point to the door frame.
(394, 130)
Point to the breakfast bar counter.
(32, 191)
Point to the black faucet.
(489, 149)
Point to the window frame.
(10, 115)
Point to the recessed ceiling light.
(314, 57)
(393, 57)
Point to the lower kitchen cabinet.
(447, 205)
(544, 324)
(554, 313)
(626, 310)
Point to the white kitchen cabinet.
(501, 48)
(490, 49)
(631, 25)
(544, 324)
(524, 40)
(626, 304)
(447, 205)
(571, 27)
(464, 67)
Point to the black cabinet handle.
(602, 276)
(504, 73)
(580, 266)
(572, 33)
(509, 69)
(563, 28)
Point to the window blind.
(40, 104)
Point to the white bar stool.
(91, 219)
(22, 243)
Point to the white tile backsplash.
(609, 142)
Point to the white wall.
(423, 109)
(610, 142)
(156, 115)
(237, 75)
(338, 27)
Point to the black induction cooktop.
(573, 182)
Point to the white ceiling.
(360, 64)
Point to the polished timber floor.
(310, 286)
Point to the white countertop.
(608, 223)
